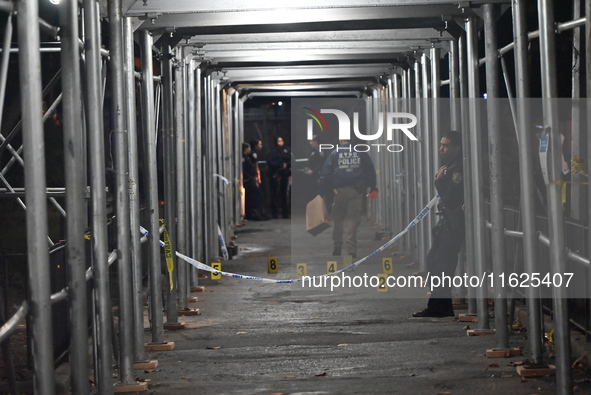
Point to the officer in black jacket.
(349, 174)
(449, 232)
(279, 171)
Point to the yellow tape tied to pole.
(168, 255)
(563, 188)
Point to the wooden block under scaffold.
(126, 388)
(198, 289)
(174, 326)
(153, 364)
(503, 352)
(480, 332)
(192, 299)
(166, 346)
(467, 318)
(525, 371)
(189, 312)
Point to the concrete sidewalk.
(255, 338)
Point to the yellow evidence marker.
(347, 260)
(272, 265)
(302, 270)
(383, 284)
(387, 265)
(216, 266)
(331, 266)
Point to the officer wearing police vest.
(449, 233)
(348, 174)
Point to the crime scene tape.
(223, 244)
(224, 179)
(411, 225)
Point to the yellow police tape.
(563, 188)
(168, 254)
(576, 165)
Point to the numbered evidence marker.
(382, 284)
(331, 266)
(347, 260)
(272, 265)
(216, 266)
(302, 270)
(387, 265)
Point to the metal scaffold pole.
(406, 175)
(207, 180)
(555, 211)
(469, 264)
(74, 160)
(121, 169)
(218, 193)
(496, 171)
(134, 198)
(37, 254)
(413, 177)
(526, 168)
(181, 181)
(198, 186)
(427, 170)
(100, 267)
(4, 63)
(152, 206)
(588, 108)
(398, 96)
(454, 86)
(237, 137)
(455, 123)
(193, 170)
(416, 177)
(169, 169)
(475, 144)
(435, 132)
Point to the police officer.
(448, 233)
(251, 187)
(279, 170)
(348, 174)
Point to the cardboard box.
(316, 216)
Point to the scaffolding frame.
(206, 113)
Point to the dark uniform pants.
(280, 194)
(443, 259)
(346, 212)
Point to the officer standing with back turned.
(349, 174)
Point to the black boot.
(337, 250)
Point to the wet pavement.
(255, 338)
